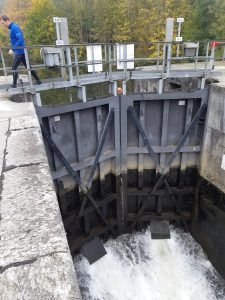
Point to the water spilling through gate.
(137, 267)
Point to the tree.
(40, 28)
(16, 10)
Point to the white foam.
(137, 267)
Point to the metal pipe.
(28, 68)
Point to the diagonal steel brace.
(158, 167)
(75, 177)
(98, 154)
(171, 159)
(100, 145)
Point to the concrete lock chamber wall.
(120, 162)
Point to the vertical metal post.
(196, 59)
(113, 88)
(110, 59)
(57, 30)
(37, 99)
(63, 64)
(168, 58)
(82, 93)
(69, 64)
(114, 53)
(28, 68)
(206, 57)
(158, 50)
(141, 156)
(105, 50)
(62, 58)
(160, 86)
(167, 46)
(178, 45)
(124, 87)
(202, 83)
(3, 63)
(123, 155)
(164, 58)
(93, 58)
(125, 58)
(212, 58)
(76, 63)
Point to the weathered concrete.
(35, 260)
(208, 226)
(214, 140)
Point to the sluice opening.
(137, 267)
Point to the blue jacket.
(16, 38)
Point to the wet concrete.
(208, 225)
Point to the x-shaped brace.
(77, 179)
(162, 172)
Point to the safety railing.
(74, 63)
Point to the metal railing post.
(62, 63)
(212, 57)
(93, 59)
(3, 63)
(206, 57)
(196, 59)
(69, 64)
(82, 93)
(110, 59)
(168, 59)
(164, 58)
(124, 87)
(28, 68)
(125, 58)
(158, 50)
(76, 63)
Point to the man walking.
(17, 40)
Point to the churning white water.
(138, 268)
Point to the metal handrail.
(73, 65)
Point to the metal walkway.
(81, 65)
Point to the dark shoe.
(13, 86)
(38, 82)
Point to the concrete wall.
(35, 261)
(208, 226)
(214, 140)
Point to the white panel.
(94, 53)
(125, 52)
(223, 162)
(179, 39)
(181, 102)
(56, 20)
(180, 20)
(59, 42)
(56, 118)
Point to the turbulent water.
(137, 267)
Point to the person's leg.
(16, 62)
(33, 73)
